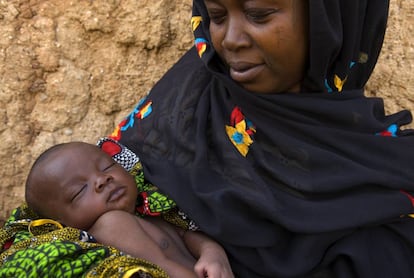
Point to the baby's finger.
(200, 271)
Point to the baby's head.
(75, 183)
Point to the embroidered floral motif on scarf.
(141, 111)
(240, 131)
(390, 132)
(340, 82)
(200, 43)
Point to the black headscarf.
(315, 184)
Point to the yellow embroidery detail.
(363, 58)
(195, 22)
(239, 137)
(339, 83)
(116, 132)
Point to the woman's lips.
(245, 72)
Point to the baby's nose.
(102, 181)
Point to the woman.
(262, 134)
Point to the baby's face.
(82, 182)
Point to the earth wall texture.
(62, 63)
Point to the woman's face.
(264, 42)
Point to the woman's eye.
(259, 15)
(216, 16)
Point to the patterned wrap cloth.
(33, 247)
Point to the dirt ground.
(62, 63)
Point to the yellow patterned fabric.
(33, 247)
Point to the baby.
(81, 186)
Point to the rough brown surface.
(62, 63)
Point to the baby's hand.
(213, 264)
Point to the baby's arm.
(123, 231)
(212, 259)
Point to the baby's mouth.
(115, 194)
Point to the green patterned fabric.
(47, 250)
(33, 247)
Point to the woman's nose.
(235, 36)
(101, 181)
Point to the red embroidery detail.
(385, 133)
(236, 116)
(411, 197)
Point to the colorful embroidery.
(201, 45)
(328, 88)
(241, 131)
(195, 22)
(339, 83)
(116, 134)
(141, 111)
(145, 110)
(391, 131)
(363, 58)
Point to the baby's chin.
(84, 225)
(130, 208)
